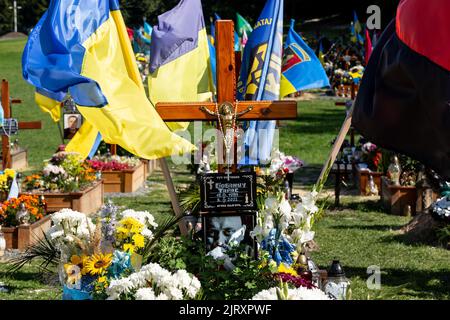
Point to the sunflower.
(98, 263)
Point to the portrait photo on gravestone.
(72, 123)
(222, 232)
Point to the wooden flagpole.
(173, 195)
(337, 146)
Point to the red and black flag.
(404, 100)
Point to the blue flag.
(302, 69)
(212, 59)
(148, 30)
(260, 79)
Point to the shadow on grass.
(316, 124)
(377, 227)
(363, 206)
(430, 240)
(419, 284)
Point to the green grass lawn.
(41, 144)
(359, 234)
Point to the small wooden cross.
(226, 95)
(6, 104)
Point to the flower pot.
(22, 237)
(124, 181)
(75, 294)
(87, 201)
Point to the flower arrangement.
(102, 258)
(272, 177)
(64, 172)
(372, 155)
(283, 230)
(286, 293)
(9, 209)
(153, 282)
(113, 163)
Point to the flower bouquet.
(282, 230)
(9, 209)
(372, 156)
(285, 293)
(281, 167)
(102, 258)
(64, 172)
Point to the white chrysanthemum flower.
(145, 294)
(171, 286)
(301, 293)
(144, 217)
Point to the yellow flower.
(73, 273)
(138, 240)
(98, 263)
(122, 232)
(10, 173)
(128, 247)
(132, 225)
(76, 260)
(102, 279)
(282, 268)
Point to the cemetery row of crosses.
(241, 221)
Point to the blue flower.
(120, 263)
(278, 247)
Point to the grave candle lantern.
(336, 286)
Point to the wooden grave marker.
(222, 110)
(29, 125)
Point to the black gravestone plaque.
(223, 192)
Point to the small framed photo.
(72, 123)
(222, 230)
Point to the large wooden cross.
(226, 93)
(6, 104)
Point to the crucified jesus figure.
(226, 114)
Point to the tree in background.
(6, 17)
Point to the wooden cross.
(6, 104)
(226, 94)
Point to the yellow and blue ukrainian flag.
(302, 69)
(260, 78)
(180, 68)
(81, 47)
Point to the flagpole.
(336, 147)
(61, 134)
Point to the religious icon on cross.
(222, 110)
